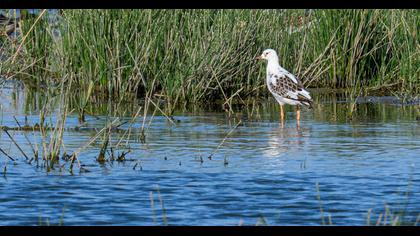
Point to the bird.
(285, 87)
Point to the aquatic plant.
(192, 56)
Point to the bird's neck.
(273, 65)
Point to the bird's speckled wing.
(282, 84)
(286, 86)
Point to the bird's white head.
(269, 55)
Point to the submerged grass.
(195, 56)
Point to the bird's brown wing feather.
(284, 84)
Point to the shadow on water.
(364, 165)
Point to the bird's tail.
(305, 99)
(308, 103)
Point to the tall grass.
(195, 56)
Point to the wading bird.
(285, 87)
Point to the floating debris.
(121, 157)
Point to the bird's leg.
(298, 112)
(281, 116)
(281, 113)
(297, 115)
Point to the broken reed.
(194, 56)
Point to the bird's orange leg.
(298, 115)
(281, 116)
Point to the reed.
(193, 56)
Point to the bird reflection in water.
(287, 140)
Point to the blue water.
(271, 172)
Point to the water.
(271, 172)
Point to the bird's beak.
(258, 58)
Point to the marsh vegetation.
(169, 109)
(192, 56)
